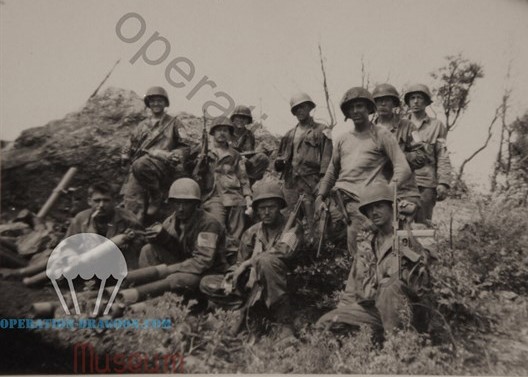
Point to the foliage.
(454, 83)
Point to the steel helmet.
(376, 192)
(355, 94)
(418, 88)
(243, 111)
(299, 98)
(186, 189)
(268, 190)
(222, 121)
(156, 91)
(386, 90)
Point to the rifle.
(252, 153)
(149, 143)
(202, 164)
(395, 223)
(323, 221)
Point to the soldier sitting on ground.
(264, 257)
(191, 240)
(105, 219)
(156, 154)
(382, 285)
(244, 142)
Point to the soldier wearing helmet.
(262, 262)
(434, 178)
(304, 154)
(244, 141)
(387, 99)
(190, 239)
(381, 284)
(359, 159)
(156, 154)
(226, 192)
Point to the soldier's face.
(221, 134)
(302, 111)
(385, 105)
(101, 203)
(268, 211)
(358, 111)
(183, 209)
(380, 213)
(240, 122)
(417, 102)
(157, 104)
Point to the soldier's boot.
(240, 318)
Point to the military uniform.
(225, 196)
(403, 129)
(118, 224)
(257, 164)
(374, 294)
(437, 169)
(271, 255)
(196, 246)
(151, 174)
(306, 153)
(358, 160)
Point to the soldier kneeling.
(383, 284)
(263, 257)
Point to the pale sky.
(54, 53)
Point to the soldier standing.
(244, 141)
(381, 286)
(105, 219)
(434, 177)
(156, 161)
(387, 99)
(264, 256)
(228, 194)
(191, 240)
(304, 154)
(359, 158)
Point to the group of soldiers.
(232, 235)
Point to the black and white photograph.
(264, 187)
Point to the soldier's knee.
(268, 261)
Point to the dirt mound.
(90, 139)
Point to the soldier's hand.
(153, 232)
(441, 192)
(125, 159)
(158, 153)
(320, 206)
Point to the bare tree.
(498, 112)
(329, 105)
(455, 81)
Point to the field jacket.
(201, 247)
(312, 155)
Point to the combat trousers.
(271, 284)
(232, 217)
(391, 309)
(357, 221)
(144, 182)
(428, 201)
(306, 185)
(152, 255)
(256, 167)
